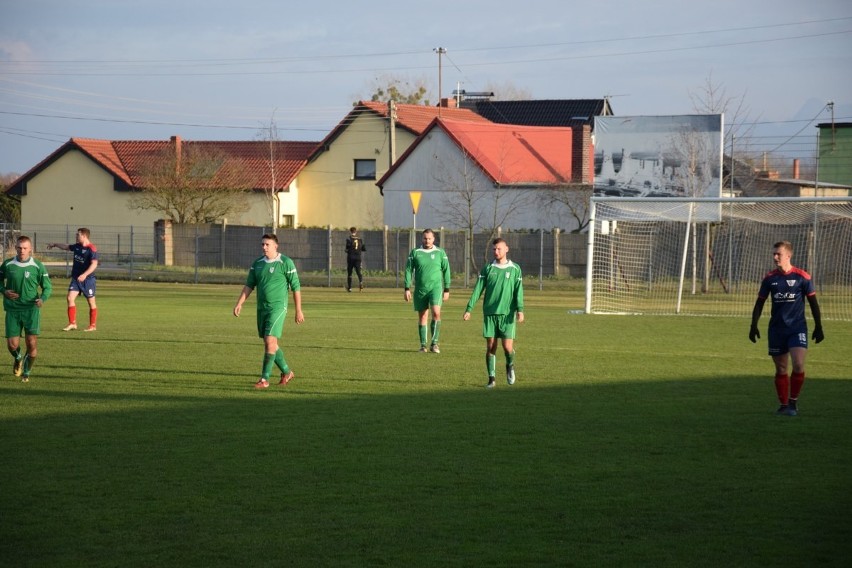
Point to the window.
(287, 221)
(365, 169)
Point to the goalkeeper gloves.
(818, 334)
(754, 334)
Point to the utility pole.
(440, 51)
(392, 133)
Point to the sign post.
(415, 203)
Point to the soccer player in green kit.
(503, 284)
(20, 279)
(431, 269)
(273, 274)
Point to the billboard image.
(658, 156)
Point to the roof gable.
(508, 154)
(413, 118)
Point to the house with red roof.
(482, 173)
(89, 182)
(338, 184)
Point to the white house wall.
(436, 166)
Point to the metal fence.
(221, 253)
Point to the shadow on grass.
(688, 472)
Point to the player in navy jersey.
(82, 277)
(788, 287)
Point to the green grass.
(626, 440)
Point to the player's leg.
(491, 344)
(780, 353)
(73, 292)
(509, 351)
(31, 339)
(89, 292)
(421, 306)
(797, 377)
(13, 343)
(349, 267)
(358, 272)
(435, 326)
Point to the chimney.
(176, 141)
(796, 168)
(448, 103)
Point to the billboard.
(658, 156)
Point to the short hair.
(84, 231)
(785, 245)
(24, 239)
(428, 231)
(352, 229)
(270, 236)
(499, 240)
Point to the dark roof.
(556, 112)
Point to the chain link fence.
(218, 253)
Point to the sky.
(223, 70)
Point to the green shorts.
(499, 326)
(423, 300)
(271, 322)
(18, 321)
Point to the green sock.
(268, 361)
(281, 362)
(436, 330)
(17, 354)
(28, 363)
(491, 364)
(510, 358)
(421, 329)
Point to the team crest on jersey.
(433, 256)
(507, 276)
(791, 283)
(271, 269)
(27, 274)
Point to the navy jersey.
(788, 291)
(83, 257)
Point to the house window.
(365, 169)
(287, 221)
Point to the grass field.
(626, 441)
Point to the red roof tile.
(508, 154)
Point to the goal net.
(707, 256)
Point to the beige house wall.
(74, 190)
(328, 192)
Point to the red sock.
(93, 316)
(72, 314)
(796, 382)
(782, 387)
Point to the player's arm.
(246, 292)
(475, 294)
(445, 271)
(62, 246)
(409, 268)
(46, 286)
(753, 332)
(297, 302)
(93, 265)
(818, 335)
(519, 296)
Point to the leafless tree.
(469, 200)
(268, 133)
(507, 91)
(567, 199)
(198, 184)
(389, 87)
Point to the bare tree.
(507, 91)
(395, 88)
(192, 183)
(10, 205)
(567, 199)
(268, 133)
(713, 98)
(469, 200)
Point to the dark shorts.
(85, 288)
(782, 339)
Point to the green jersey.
(504, 289)
(431, 269)
(273, 279)
(25, 278)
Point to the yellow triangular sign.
(415, 200)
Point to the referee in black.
(354, 248)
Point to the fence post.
(468, 238)
(541, 260)
(196, 254)
(385, 244)
(396, 272)
(329, 256)
(556, 252)
(131, 251)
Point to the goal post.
(707, 256)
